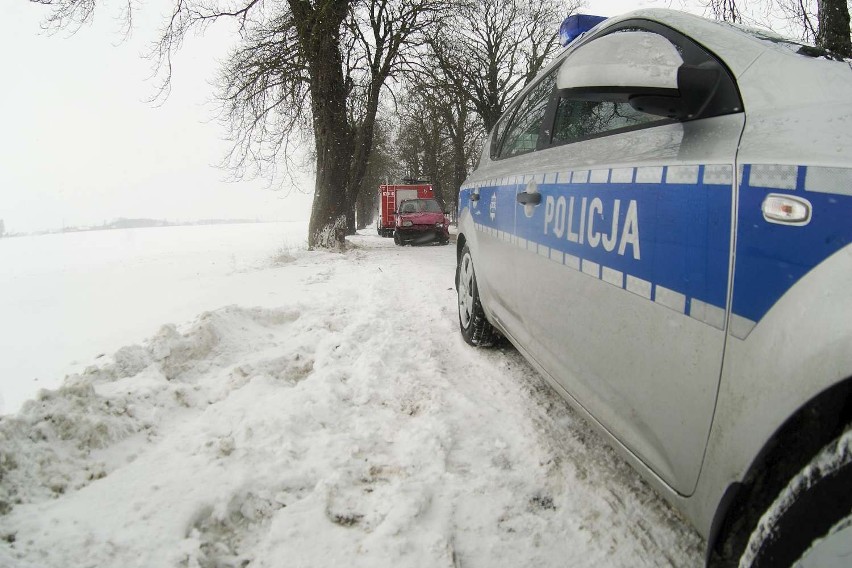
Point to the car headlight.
(441, 224)
(407, 223)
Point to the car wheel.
(475, 327)
(396, 239)
(810, 521)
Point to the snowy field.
(322, 410)
(68, 298)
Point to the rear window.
(403, 194)
(420, 206)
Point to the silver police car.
(661, 224)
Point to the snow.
(322, 411)
(78, 295)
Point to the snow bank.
(349, 425)
(68, 298)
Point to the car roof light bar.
(576, 25)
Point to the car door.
(492, 201)
(625, 279)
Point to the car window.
(431, 206)
(421, 205)
(523, 132)
(573, 117)
(579, 119)
(499, 130)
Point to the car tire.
(810, 521)
(396, 239)
(475, 327)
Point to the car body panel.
(637, 259)
(494, 260)
(655, 297)
(785, 367)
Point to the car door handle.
(525, 198)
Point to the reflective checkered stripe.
(697, 287)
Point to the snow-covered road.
(348, 425)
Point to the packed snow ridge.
(350, 426)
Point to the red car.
(392, 195)
(421, 221)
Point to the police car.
(661, 224)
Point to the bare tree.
(316, 66)
(801, 15)
(476, 64)
(824, 22)
(726, 10)
(495, 47)
(382, 167)
(438, 134)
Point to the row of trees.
(465, 74)
(322, 70)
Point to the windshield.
(420, 206)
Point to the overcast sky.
(80, 145)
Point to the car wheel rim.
(465, 291)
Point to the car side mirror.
(622, 61)
(643, 69)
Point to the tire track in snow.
(568, 455)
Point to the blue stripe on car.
(684, 219)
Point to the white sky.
(616, 7)
(80, 145)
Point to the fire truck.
(391, 195)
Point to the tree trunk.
(365, 208)
(319, 34)
(833, 32)
(327, 227)
(362, 147)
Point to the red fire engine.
(392, 194)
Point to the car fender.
(807, 333)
